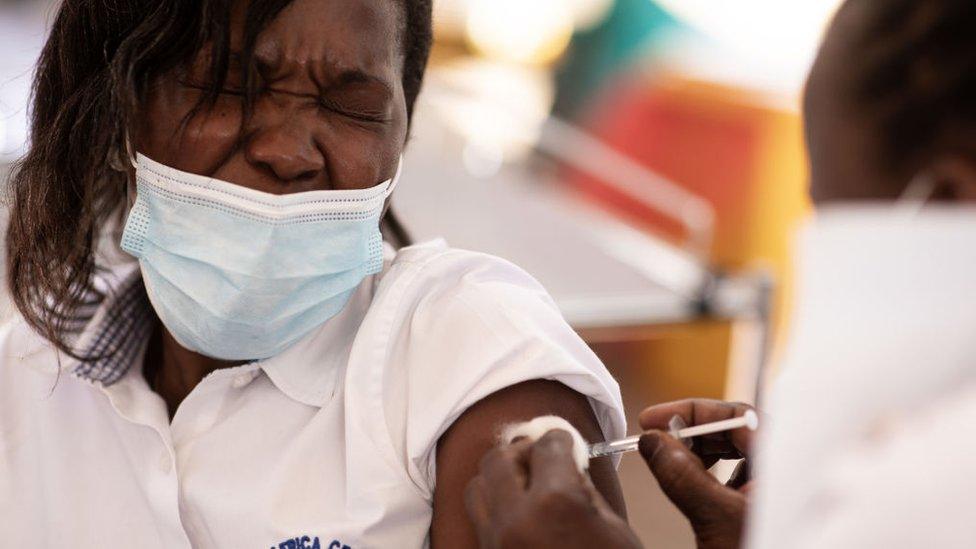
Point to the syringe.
(750, 420)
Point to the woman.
(214, 347)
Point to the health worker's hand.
(532, 495)
(716, 511)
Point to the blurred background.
(642, 158)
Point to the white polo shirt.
(330, 444)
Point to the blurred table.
(610, 280)
(601, 272)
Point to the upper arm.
(475, 432)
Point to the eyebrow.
(349, 77)
(345, 77)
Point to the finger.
(624, 536)
(693, 411)
(551, 463)
(476, 503)
(727, 445)
(596, 498)
(519, 450)
(684, 479)
(504, 473)
(711, 448)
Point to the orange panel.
(711, 140)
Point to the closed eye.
(362, 115)
(226, 90)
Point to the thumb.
(599, 503)
(694, 491)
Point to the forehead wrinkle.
(343, 38)
(323, 72)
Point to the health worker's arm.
(461, 449)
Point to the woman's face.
(330, 112)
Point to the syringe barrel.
(602, 449)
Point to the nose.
(286, 151)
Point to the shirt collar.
(119, 330)
(310, 370)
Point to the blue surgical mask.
(238, 274)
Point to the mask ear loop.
(916, 195)
(130, 153)
(130, 186)
(117, 163)
(396, 177)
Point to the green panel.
(627, 34)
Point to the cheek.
(196, 144)
(358, 156)
(360, 159)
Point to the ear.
(956, 178)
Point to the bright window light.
(532, 32)
(779, 37)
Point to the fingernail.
(648, 444)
